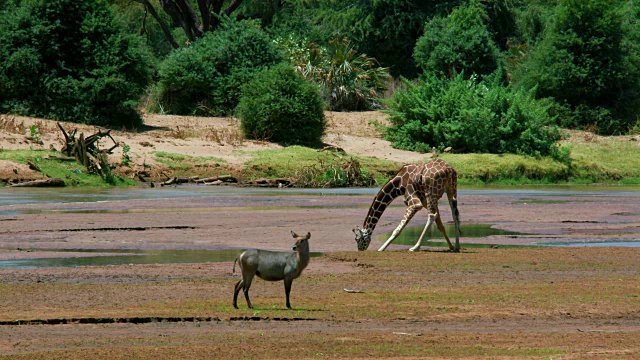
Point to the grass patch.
(185, 165)
(605, 160)
(319, 168)
(72, 173)
(601, 159)
(507, 169)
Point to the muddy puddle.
(433, 237)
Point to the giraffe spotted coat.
(422, 186)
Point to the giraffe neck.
(385, 196)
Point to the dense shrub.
(207, 77)
(470, 116)
(280, 106)
(349, 81)
(587, 60)
(70, 60)
(458, 43)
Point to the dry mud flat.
(492, 302)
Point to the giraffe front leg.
(444, 232)
(411, 210)
(416, 247)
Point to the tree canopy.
(92, 61)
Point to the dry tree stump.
(87, 151)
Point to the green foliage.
(280, 106)
(349, 81)
(587, 62)
(70, 60)
(384, 29)
(502, 23)
(34, 132)
(126, 158)
(470, 116)
(458, 43)
(207, 77)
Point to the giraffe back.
(436, 177)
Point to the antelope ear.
(308, 235)
(355, 231)
(294, 234)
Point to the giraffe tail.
(456, 213)
(452, 194)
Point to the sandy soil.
(560, 303)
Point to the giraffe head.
(363, 238)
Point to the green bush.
(207, 77)
(458, 43)
(588, 60)
(70, 60)
(280, 106)
(470, 116)
(349, 81)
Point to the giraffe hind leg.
(443, 231)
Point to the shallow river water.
(27, 201)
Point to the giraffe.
(422, 186)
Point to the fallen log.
(222, 178)
(55, 182)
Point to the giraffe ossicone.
(422, 186)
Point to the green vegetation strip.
(611, 160)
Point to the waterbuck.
(272, 266)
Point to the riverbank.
(178, 146)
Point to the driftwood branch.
(41, 183)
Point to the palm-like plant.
(349, 81)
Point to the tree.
(71, 60)
(384, 29)
(585, 63)
(208, 15)
(207, 77)
(458, 43)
